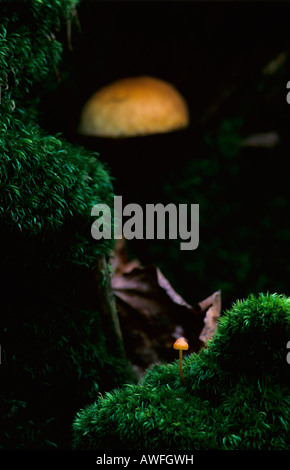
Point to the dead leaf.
(153, 315)
(274, 65)
(211, 317)
(266, 140)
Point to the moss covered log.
(57, 349)
(235, 396)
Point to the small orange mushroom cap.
(180, 343)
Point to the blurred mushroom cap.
(134, 107)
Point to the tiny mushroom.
(134, 106)
(181, 345)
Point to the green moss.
(236, 394)
(30, 52)
(48, 188)
(56, 356)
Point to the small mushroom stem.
(181, 345)
(180, 366)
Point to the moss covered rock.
(58, 350)
(235, 396)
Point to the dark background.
(216, 54)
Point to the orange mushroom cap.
(134, 106)
(180, 343)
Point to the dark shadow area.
(230, 60)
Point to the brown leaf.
(274, 65)
(266, 140)
(153, 315)
(211, 317)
